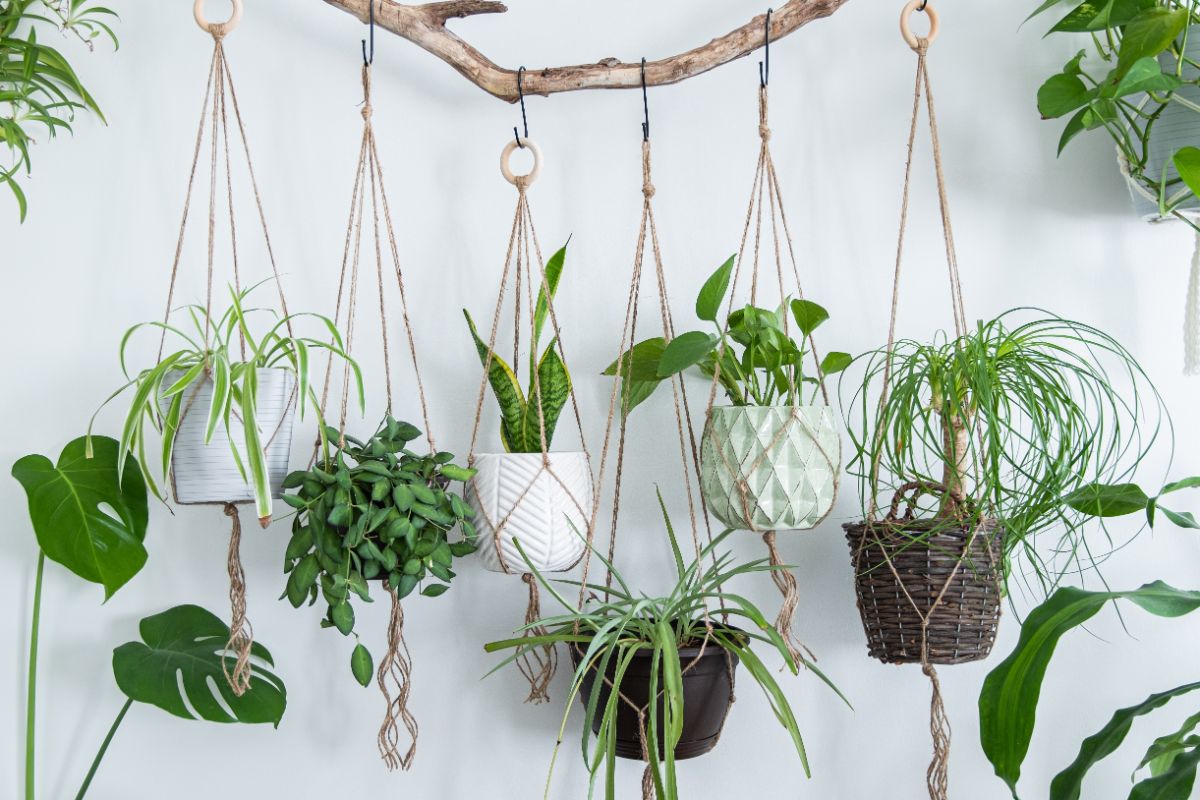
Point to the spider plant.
(1009, 420)
(617, 624)
(225, 350)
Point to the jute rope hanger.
(219, 96)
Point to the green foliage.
(39, 90)
(1008, 701)
(616, 623)
(521, 412)
(1011, 418)
(67, 503)
(769, 369)
(373, 511)
(1119, 500)
(225, 351)
(1133, 71)
(178, 664)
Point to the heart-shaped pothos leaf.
(86, 517)
(178, 667)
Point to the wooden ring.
(217, 28)
(912, 7)
(506, 170)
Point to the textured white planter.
(207, 473)
(786, 459)
(513, 493)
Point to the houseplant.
(373, 511)
(770, 459)
(223, 404)
(529, 492)
(980, 438)
(672, 648)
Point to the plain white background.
(94, 256)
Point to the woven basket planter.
(766, 468)
(207, 473)
(963, 626)
(515, 496)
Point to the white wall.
(94, 256)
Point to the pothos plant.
(373, 511)
(523, 412)
(762, 364)
(1134, 70)
(227, 350)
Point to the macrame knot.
(367, 110)
(648, 189)
(922, 47)
(764, 132)
(231, 510)
(522, 183)
(241, 635)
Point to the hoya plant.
(523, 411)
(227, 351)
(762, 352)
(373, 511)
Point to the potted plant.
(373, 511)
(529, 492)
(1140, 82)
(976, 441)
(679, 649)
(771, 457)
(224, 402)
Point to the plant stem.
(103, 749)
(31, 697)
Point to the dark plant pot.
(707, 694)
(962, 627)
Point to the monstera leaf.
(86, 517)
(178, 667)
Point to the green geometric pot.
(765, 468)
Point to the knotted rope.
(396, 669)
(539, 665)
(241, 634)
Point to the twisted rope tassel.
(1191, 324)
(648, 772)
(241, 635)
(396, 667)
(648, 783)
(538, 665)
(937, 777)
(785, 581)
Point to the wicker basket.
(925, 555)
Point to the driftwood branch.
(425, 26)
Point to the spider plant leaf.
(170, 428)
(505, 388)
(779, 704)
(220, 396)
(260, 479)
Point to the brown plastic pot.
(707, 694)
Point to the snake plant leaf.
(1068, 784)
(1174, 784)
(504, 385)
(1008, 701)
(554, 269)
(84, 516)
(178, 667)
(555, 384)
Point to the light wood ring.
(506, 170)
(912, 7)
(217, 28)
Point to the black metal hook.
(764, 66)
(524, 119)
(368, 61)
(645, 106)
(922, 6)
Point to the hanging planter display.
(222, 397)
(979, 441)
(530, 506)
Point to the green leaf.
(1096, 16)
(69, 507)
(1061, 95)
(1075, 126)
(1174, 784)
(1183, 519)
(342, 616)
(1187, 161)
(708, 303)
(554, 268)
(1008, 701)
(362, 665)
(302, 579)
(555, 384)
(640, 362)
(835, 362)
(1146, 75)
(435, 590)
(1148, 34)
(504, 385)
(457, 473)
(1104, 500)
(181, 655)
(686, 350)
(1186, 483)
(809, 316)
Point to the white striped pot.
(1178, 127)
(207, 473)
(765, 468)
(515, 496)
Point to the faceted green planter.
(770, 468)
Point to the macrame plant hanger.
(766, 183)
(395, 669)
(220, 97)
(937, 776)
(688, 452)
(525, 270)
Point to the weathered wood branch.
(425, 26)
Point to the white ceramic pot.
(207, 473)
(547, 509)
(766, 468)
